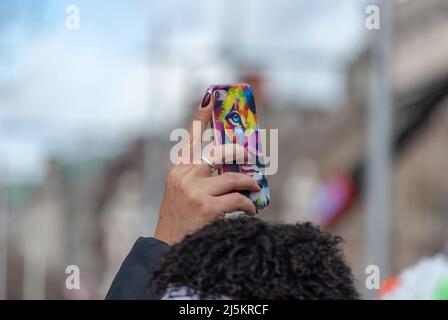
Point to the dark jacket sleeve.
(134, 277)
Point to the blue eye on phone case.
(235, 118)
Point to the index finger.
(200, 120)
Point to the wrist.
(164, 232)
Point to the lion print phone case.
(235, 120)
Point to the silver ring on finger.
(211, 164)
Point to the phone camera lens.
(217, 94)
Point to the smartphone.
(235, 120)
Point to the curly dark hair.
(246, 258)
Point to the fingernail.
(206, 100)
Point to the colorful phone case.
(235, 120)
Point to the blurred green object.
(441, 290)
(18, 193)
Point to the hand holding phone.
(194, 197)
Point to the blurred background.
(86, 113)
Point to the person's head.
(245, 258)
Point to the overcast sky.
(59, 86)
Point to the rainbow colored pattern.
(235, 118)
